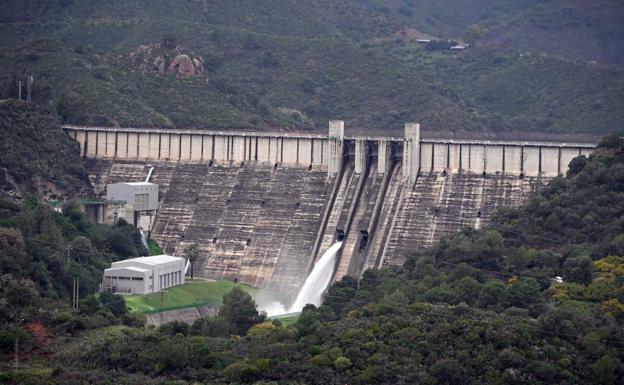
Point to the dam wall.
(252, 223)
(198, 146)
(546, 159)
(263, 207)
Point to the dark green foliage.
(114, 303)
(578, 215)
(211, 327)
(30, 134)
(123, 239)
(174, 328)
(154, 248)
(493, 295)
(239, 311)
(42, 251)
(308, 322)
(578, 269)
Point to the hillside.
(36, 156)
(298, 64)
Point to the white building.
(141, 203)
(141, 195)
(144, 275)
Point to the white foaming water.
(318, 280)
(313, 288)
(274, 308)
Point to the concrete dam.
(264, 206)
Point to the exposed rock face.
(160, 65)
(183, 64)
(154, 58)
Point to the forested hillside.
(36, 156)
(533, 65)
(535, 298)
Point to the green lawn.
(287, 319)
(193, 293)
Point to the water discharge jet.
(314, 286)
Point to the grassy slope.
(193, 293)
(323, 61)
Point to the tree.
(308, 322)
(113, 302)
(473, 32)
(577, 165)
(605, 370)
(192, 253)
(578, 269)
(210, 326)
(492, 295)
(468, 289)
(449, 371)
(13, 258)
(81, 249)
(239, 310)
(524, 292)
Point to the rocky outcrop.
(183, 64)
(154, 58)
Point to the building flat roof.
(136, 183)
(133, 268)
(154, 259)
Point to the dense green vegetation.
(41, 252)
(479, 307)
(299, 64)
(39, 158)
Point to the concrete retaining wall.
(187, 315)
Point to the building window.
(141, 201)
(137, 278)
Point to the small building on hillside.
(144, 275)
(141, 203)
(142, 196)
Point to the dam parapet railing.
(418, 155)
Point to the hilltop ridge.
(540, 66)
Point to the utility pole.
(162, 298)
(69, 249)
(76, 293)
(17, 350)
(18, 321)
(29, 85)
(19, 90)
